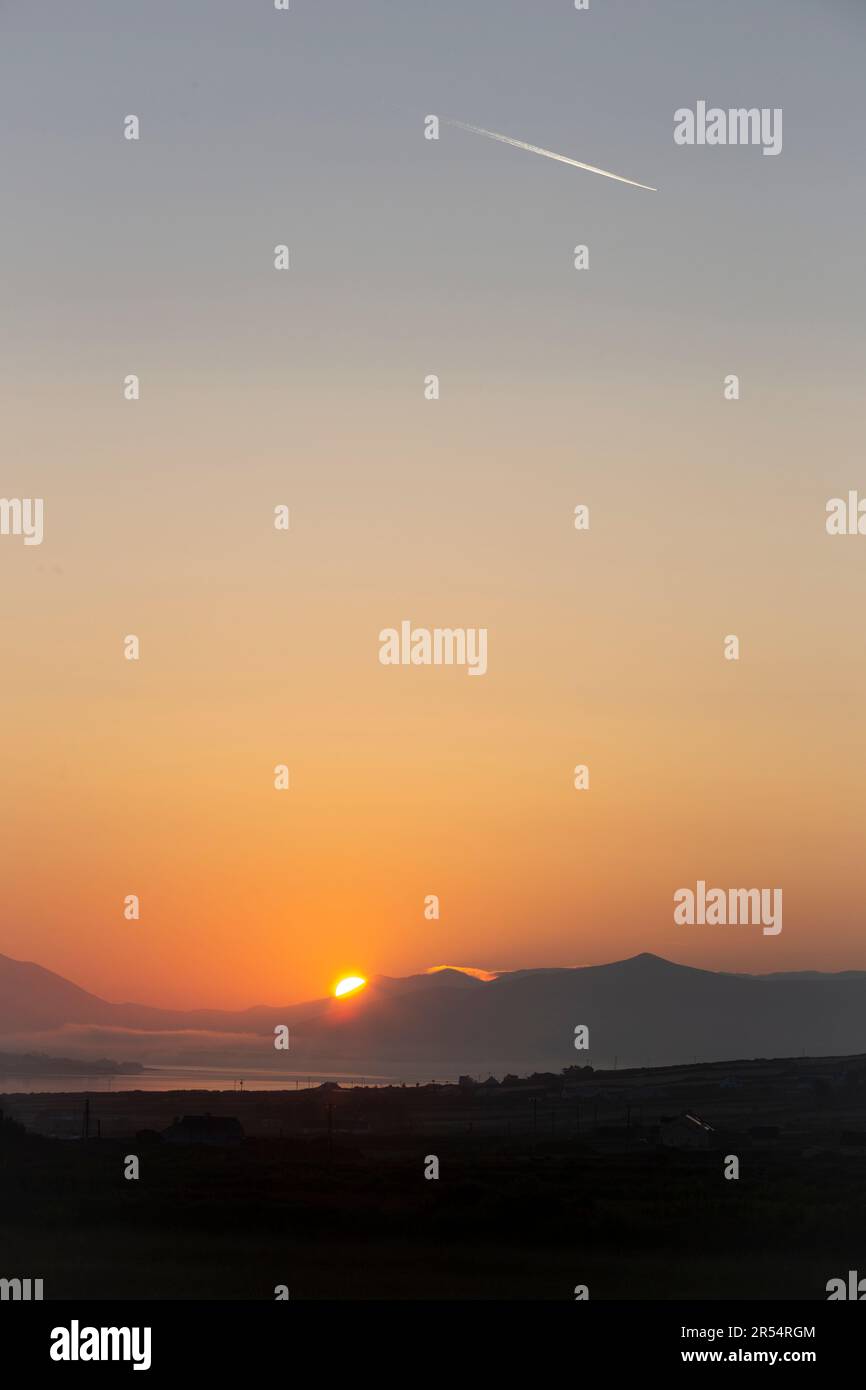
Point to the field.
(541, 1187)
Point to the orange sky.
(305, 387)
(260, 647)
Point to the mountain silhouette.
(643, 1011)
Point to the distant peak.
(643, 958)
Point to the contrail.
(536, 149)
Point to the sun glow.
(349, 985)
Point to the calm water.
(187, 1079)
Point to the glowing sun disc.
(351, 983)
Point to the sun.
(349, 985)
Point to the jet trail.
(536, 149)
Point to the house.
(686, 1131)
(221, 1130)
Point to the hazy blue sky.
(307, 126)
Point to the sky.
(305, 388)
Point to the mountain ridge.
(644, 1008)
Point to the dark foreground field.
(534, 1197)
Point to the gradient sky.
(411, 257)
